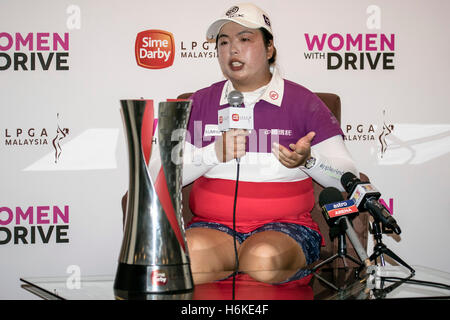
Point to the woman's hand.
(301, 151)
(231, 145)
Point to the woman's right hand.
(231, 144)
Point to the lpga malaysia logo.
(367, 133)
(27, 137)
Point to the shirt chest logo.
(211, 130)
(274, 95)
(279, 132)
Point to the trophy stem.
(153, 257)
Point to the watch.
(310, 163)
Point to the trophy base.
(153, 282)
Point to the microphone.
(366, 197)
(235, 98)
(337, 212)
(234, 116)
(334, 206)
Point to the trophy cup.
(154, 259)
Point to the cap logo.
(266, 20)
(232, 11)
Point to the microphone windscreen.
(235, 98)
(348, 181)
(330, 195)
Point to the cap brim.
(214, 29)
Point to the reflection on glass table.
(245, 288)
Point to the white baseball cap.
(246, 14)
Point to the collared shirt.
(269, 191)
(284, 113)
(273, 93)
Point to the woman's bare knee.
(210, 250)
(270, 256)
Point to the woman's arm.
(332, 161)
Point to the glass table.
(327, 284)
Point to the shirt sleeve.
(332, 161)
(199, 154)
(197, 161)
(320, 120)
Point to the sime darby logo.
(158, 278)
(154, 49)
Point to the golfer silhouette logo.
(60, 134)
(387, 130)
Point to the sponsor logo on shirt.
(280, 132)
(274, 95)
(211, 130)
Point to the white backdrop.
(86, 172)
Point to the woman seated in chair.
(295, 139)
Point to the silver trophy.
(154, 257)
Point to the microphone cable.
(417, 282)
(236, 256)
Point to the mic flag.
(234, 116)
(338, 214)
(366, 197)
(334, 206)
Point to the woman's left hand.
(301, 151)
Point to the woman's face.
(243, 57)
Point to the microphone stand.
(339, 231)
(383, 292)
(380, 248)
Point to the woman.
(295, 138)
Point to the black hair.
(267, 37)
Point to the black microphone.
(366, 197)
(337, 212)
(335, 207)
